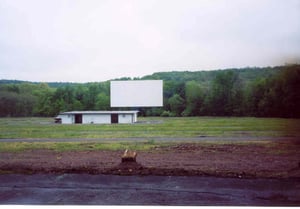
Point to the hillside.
(268, 92)
(50, 84)
(245, 74)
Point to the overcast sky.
(98, 40)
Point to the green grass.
(167, 127)
(148, 130)
(78, 146)
(143, 145)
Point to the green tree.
(102, 102)
(223, 92)
(8, 103)
(45, 100)
(176, 104)
(194, 98)
(289, 96)
(283, 97)
(90, 97)
(255, 96)
(14, 104)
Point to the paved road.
(194, 139)
(83, 189)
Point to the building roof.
(99, 112)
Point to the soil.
(279, 159)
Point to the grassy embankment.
(148, 129)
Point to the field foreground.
(246, 156)
(250, 159)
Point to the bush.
(168, 114)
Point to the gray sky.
(97, 40)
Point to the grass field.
(79, 146)
(152, 127)
(147, 129)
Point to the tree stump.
(129, 156)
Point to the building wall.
(66, 119)
(96, 119)
(125, 118)
(135, 117)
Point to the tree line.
(259, 92)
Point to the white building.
(97, 117)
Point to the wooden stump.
(129, 156)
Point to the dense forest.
(259, 92)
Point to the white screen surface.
(141, 93)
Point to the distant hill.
(50, 84)
(245, 74)
(260, 92)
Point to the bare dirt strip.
(279, 159)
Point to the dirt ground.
(279, 159)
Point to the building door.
(114, 118)
(78, 118)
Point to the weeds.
(75, 146)
(169, 127)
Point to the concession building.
(97, 117)
(129, 94)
